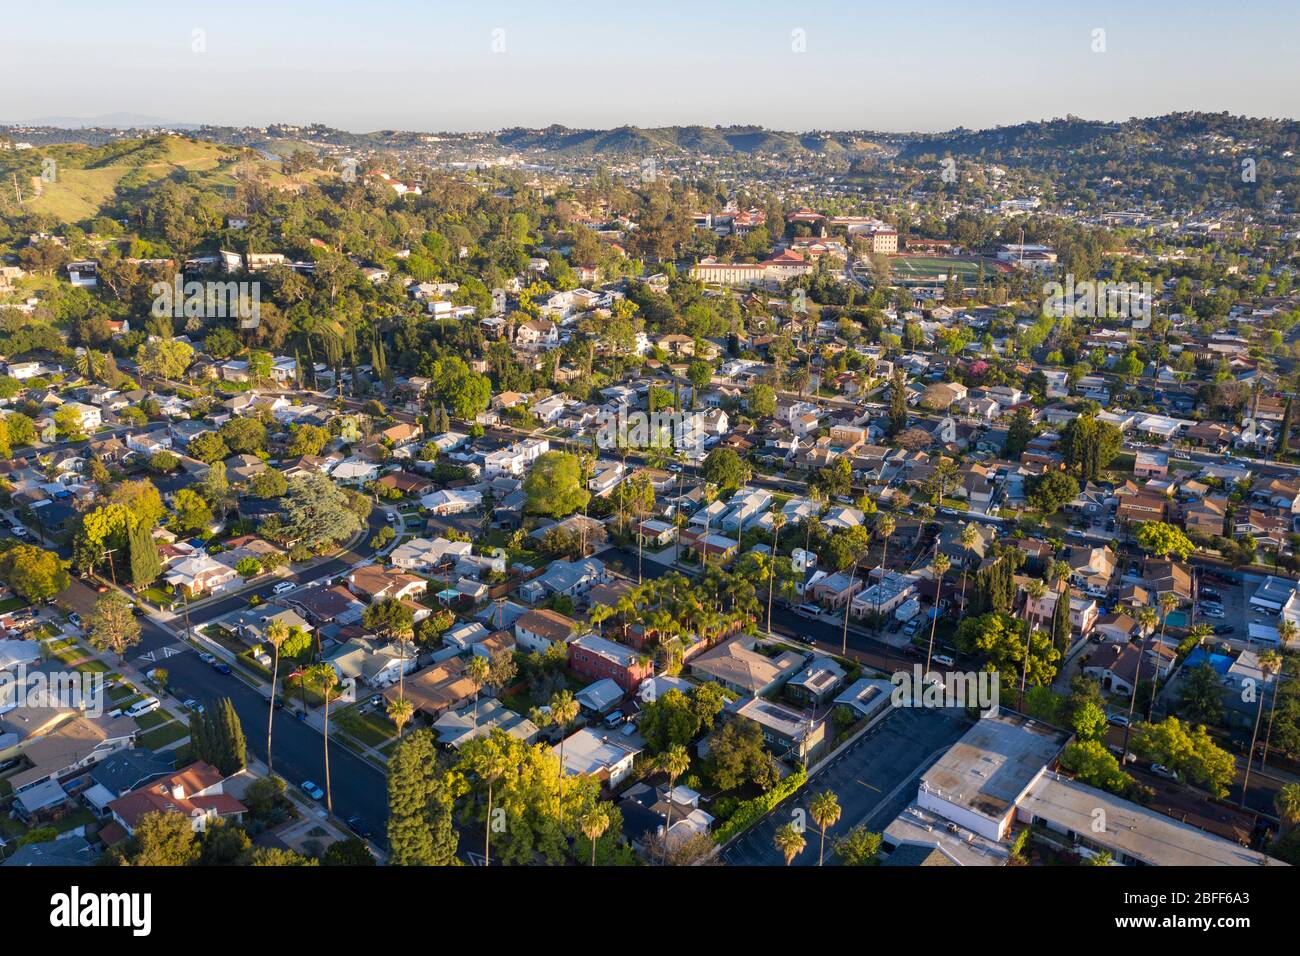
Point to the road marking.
(148, 656)
(867, 785)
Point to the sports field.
(965, 269)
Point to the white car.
(944, 660)
(284, 587)
(142, 707)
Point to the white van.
(810, 611)
(944, 659)
(142, 707)
(284, 587)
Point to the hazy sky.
(431, 65)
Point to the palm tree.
(673, 762)
(968, 537)
(594, 823)
(884, 528)
(1147, 619)
(1287, 804)
(400, 712)
(598, 615)
(1269, 662)
(778, 522)
(564, 711)
(825, 811)
(1286, 631)
(277, 632)
(1168, 602)
(325, 676)
(477, 671)
(790, 841)
(490, 766)
(1036, 590)
(852, 569)
(709, 495)
(940, 566)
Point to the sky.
(431, 65)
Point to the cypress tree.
(1061, 620)
(234, 748)
(420, 831)
(1285, 432)
(144, 562)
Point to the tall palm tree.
(1287, 804)
(710, 495)
(1147, 619)
(674, 762)
(940, 566)
(778, 522)
(852, 569)
(1168, 602)
(400, 712)
(1286, 631)
(598, 615)
(1036, 590)
(277, 632)
(477, 671)
(327, 679)
(564, 711)
(968, 537)
(594, 823)
(884, 528)
(1269, 662)
(490, 766)
(825, 811)
(790, 841)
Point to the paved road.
(874, 779)
(359, 788)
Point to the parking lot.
(874, 779)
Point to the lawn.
(152, 720)
(12, 604)
(160, 737)
(372, 728)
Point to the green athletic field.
(921, 268)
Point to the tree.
(939, 566)
(144, 564)
(1089, 445)
(1287, 804)
(191, 512)
(350, 852)
(885, 529)
(725, 469)
(277, 633)
(400, 711)
(1019, 433)
(269, 484)
(825, 811)
(897, 402)
(858, 847)
(248, 567)
(244, 436)
(1188, 751)
(208, 447)
(306, 440)
(326, 678)
(737, 755)
(762, 401)
(968, 538)
(595, 822)
(554, 485)
(1093, 764)
(234, 752)
(420, 798)
(68, 420)
(317, 513)
(164, 357)
(1061, 627)
(35, 574)
(1162, 540)
(790, 841)
(564, 711)
(674, 762)
(163, 839)
(1048, 492)
(112, 626)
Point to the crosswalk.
(163, 653)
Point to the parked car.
(193, 705)
(221, 667)
(1223, 629)
(207, 659)
(1211, 593)
(75, 619)
(944, 659)
(1117, 720)
(358, 826)
(1163, 771)
(142, 707)
(1215, 612)
(313, 791)
(284, 587)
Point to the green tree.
(825, 811)
(144, 564)
(554, 486)
(420, 799)
(724, 468)
(35, 574)
(191, 512)
(790, 841)
(1163, 540)
(858, 847)
(112, 626)
(1188, 751)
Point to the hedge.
(751, 811)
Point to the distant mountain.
(711, 140)
(105, 121)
